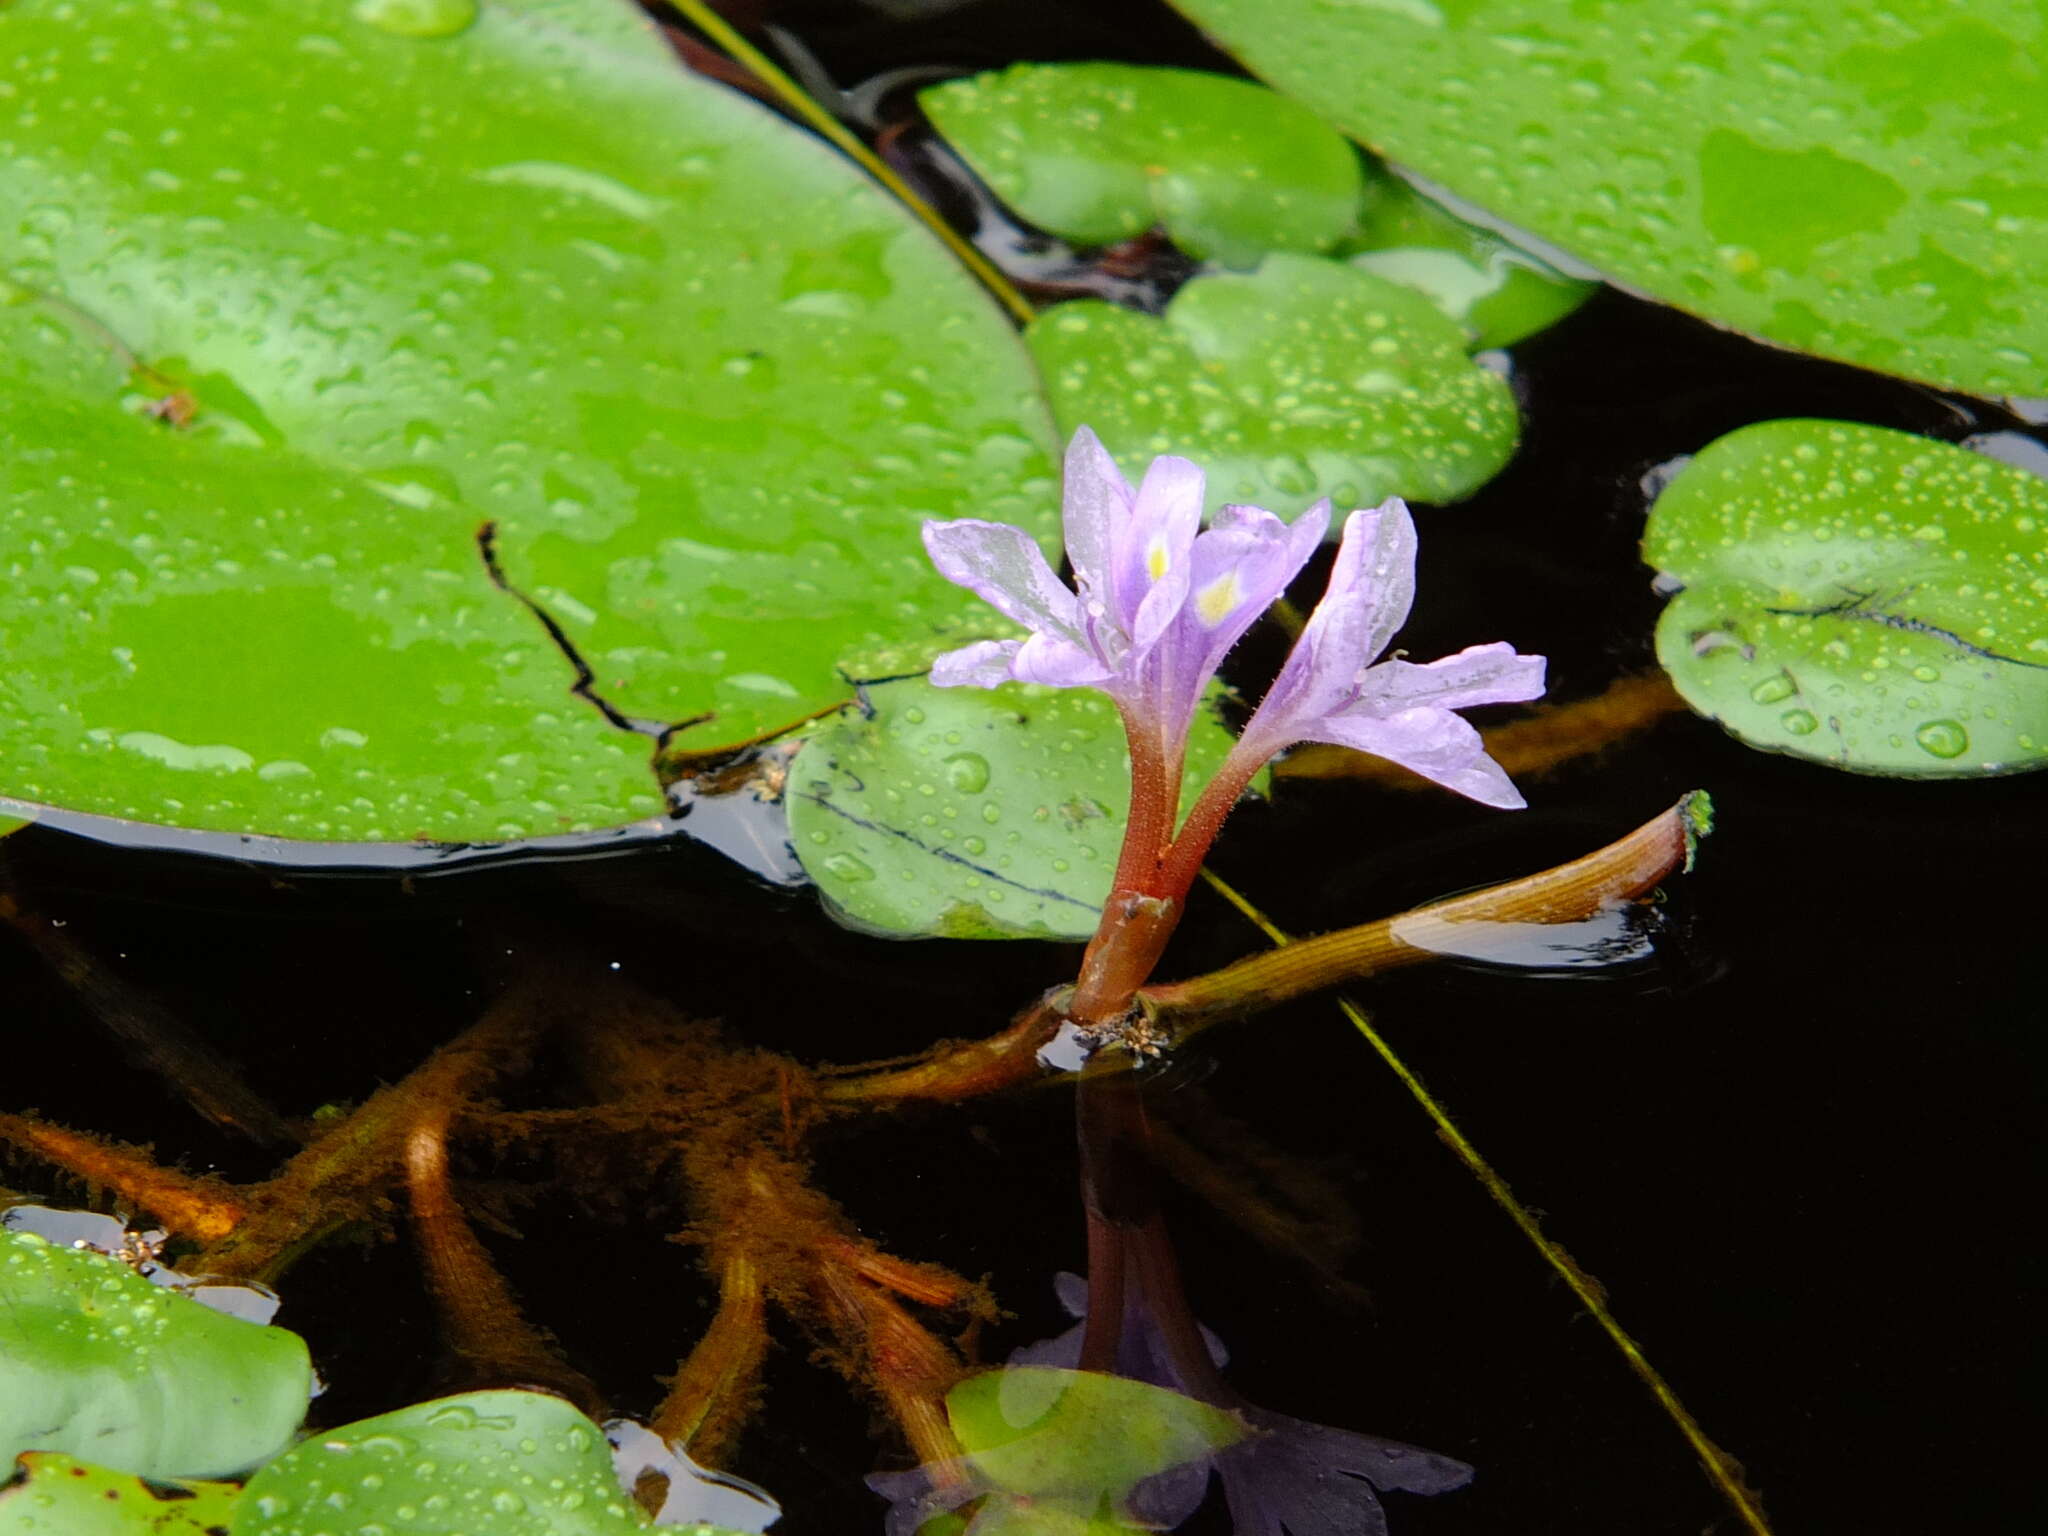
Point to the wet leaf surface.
(297, 297)
(1865, 598)
(481, 1464)
(58, 1495)
(96, 1361)
(971, 814)
(1863, 181)
(1098, 153)
(1304, 379)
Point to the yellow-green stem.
(792, 95)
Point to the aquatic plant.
(329, 542)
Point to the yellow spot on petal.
(1155, 558)
(1213, 604)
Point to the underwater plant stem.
(1723, 1470)
(712, 25)
(1548, 738)
(1117, 1194)
(1623, 870)
(201, 1209)
(338, 1181)
(488, 1339)
(909, 1369)
(713, 1393)
(156, 1039)
(962, 1069)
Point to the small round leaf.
(1101, 152)
(1860, 597)
(1303, 379)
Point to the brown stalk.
(716, 1389)
(488, 1339)
(201, 1209)
(959, 1069)
(340, 1180)
(153, 1037)
(1570, 892)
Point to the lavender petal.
(1005, 568)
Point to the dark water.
(1798, 1145)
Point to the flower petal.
(1294, 1478)
(1151, 556)
(1058, 663)
(1432, 742)
(1004, 567)
(1095, 505)
(985, 664)
(1371, 587)
(1479, 674)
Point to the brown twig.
(1568, 893)
(201, 1209)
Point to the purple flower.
(1156, 604)
(1329, 691)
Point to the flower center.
(1214, 603)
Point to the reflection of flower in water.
(1286, 1478)
(1289, 1476)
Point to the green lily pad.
(481, 1464)
(968, 813)
(1097, 153)
(1855, 178)
(58, 1495)
(1864, 598)
(11, 824)
(311, 291)
(96, 1361)
(1303, 379)
(1077, 1436)
(1496, 291)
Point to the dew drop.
(967, 772)
(849, 868)
(417, 18)
(1943, 738)
(1773, 689)
(1800, 722)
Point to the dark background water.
(1798, 1145)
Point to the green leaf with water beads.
(387, 271)
(1097, 153)
(1080, 1438)
(1303, 379)
(96, 1361)
(971, 813)
(1496, 291)
(58, 1495)
(1864, 598)
(481, 1464)
(1857, 178)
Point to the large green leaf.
(972, 814)
(1865, 598)
(481, 1464)
(97, 1362)
(1858, 178)
(58, 1495)
(415, 272)
(1302, 379)
(1101, 152)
